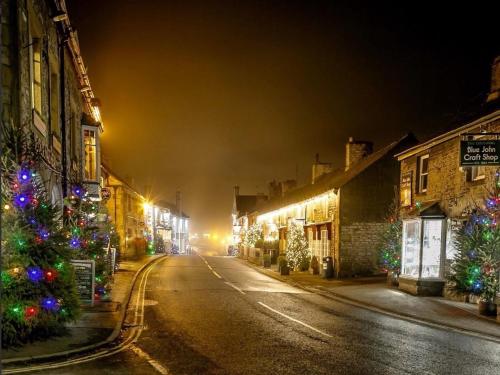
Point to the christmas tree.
(476, 264)
(297, 250)
(389, 248)
(38, 293)
(253, 234)
(88, 234)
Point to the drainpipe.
(62, 89)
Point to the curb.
(371, 307)
(112, 337)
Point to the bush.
(259, 244)
(315, 265)
(272, 245)
(266, 260)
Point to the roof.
(117, 177)
(170, 206)
(331, 181)
(492, 116)
(246, 203)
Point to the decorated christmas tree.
(88, 235)
(38, 293)
(297, 249)
(253, 234)
(389, 249)
(476, 264)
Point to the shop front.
(423, 257)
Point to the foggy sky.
(203, 95)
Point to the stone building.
(344, 210)
(45, 88)
(126, 210)
(242, 206)
(437, 194)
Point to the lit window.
(423, 173)
(36, 78)
(411, 248)
(90, 147)
(431, 248)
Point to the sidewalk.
(98, 324)
(373, 292)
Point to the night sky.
(203, 95)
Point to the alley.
(215, 315)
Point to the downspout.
(62, 89)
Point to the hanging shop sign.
(105, 193)
(85, 279)
(479, 152)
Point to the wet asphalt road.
(230, 319)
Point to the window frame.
(421, 175)
(95, 176)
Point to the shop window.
(431, 248)
(423, 173)
(411, 248)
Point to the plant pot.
(285, 271)
(487, 308)
(392, 278)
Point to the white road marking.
(141, 353)
(295, 320)
(216, 274)
(235, 287)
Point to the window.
(36, 74)
(90, 149)
(476, 173)
(405, 189)
(324, 242)
(431, 248)
(423, 173)
(411, 248)
(54, 105)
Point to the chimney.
(319, 169)
(274, 189)
(287, 185)
(236, 190)
(494, 93)
(355, 151)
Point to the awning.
(430, 209)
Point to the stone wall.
(18, 19)
(358, 252)
(447, 180)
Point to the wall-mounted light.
(60, 16)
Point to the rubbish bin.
(327, 267)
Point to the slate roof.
(245, 204)
(171, 207)
(333, 180)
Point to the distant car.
(174, 250)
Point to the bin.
(327, 267)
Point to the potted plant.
(487, 305)
(314, 265)
(283, 265)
